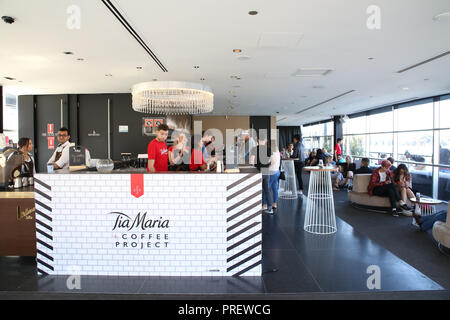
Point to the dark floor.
(296, 265)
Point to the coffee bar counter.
(17, 222)
(131, 223)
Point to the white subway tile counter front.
(149, 224)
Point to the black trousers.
(388, 190)
(298, 165)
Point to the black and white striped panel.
(44, 229)
(244, 234)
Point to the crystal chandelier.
(172, 97)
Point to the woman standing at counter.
(157, 151)
(26, 146)
(177, 153)
(197, 161)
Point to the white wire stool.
(288, 188)
(320, 217)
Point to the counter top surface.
(20, 193)
(242, 169)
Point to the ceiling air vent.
(311, 72)
(423, 62)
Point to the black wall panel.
(93, 124)
(122, 114)
(48, 111)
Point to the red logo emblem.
(137, 185)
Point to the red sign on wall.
(149, 123)
(137, 185)
(50, 128)
(51, 142)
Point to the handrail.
(405, 161)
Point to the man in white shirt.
(60, 158)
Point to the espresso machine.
(10, 166)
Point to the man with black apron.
(60, 158)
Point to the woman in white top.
(274, 172)
(25, 147)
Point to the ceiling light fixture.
(139, 68)
(202, 79)
(196, 67)
(10, 78)
(108, 75)
(237, 50)
(172, 97)
(405, 88)
(80, 59)
(253, 13)
(68, 52)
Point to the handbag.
(282, 176)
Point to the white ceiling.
(285, 36)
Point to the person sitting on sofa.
(344, 177)
(381, 184)
(403, 180)
(426, 222)
(391, 160)
(319, 156)
(311, 157)
(364, 167)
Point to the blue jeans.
(273, 187)
(428, 221)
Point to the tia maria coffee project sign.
(140, 231)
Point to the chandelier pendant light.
(172, 98)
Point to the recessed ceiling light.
(68, 52)
(253, 13)
(9, 78)
(442, 16)
(196, 67)
(405, 88)
(237, 50)
(233, 77)
(108, 75)
(370, 58)
(80, 59)
(139, 68)
(318, 87)
(202, 79)
(426, 79)
(155, 79)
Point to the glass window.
(416, 117)
(380, 145)
(381, 122)
(355, 125)
(415, 146)
(355, 145)
(10, 117)
(444, 147)
(444, 112)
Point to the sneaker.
(407, 213)
(394, 213)
(269, 211)
(405, 207)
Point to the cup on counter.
(17, 183)
(50, 168)
(30, 181)
(25, 182)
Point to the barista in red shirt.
(157, 151)
(197, 161)
(338, 148)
